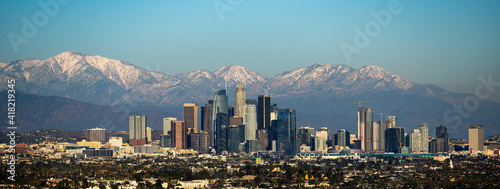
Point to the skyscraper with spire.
(220, 121)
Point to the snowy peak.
(197, 77)
(69, 54)
(328, 69)
(338, 78)
(72, 65)
(393, 80)
(374, 71)
(238, 74)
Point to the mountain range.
(322, 94)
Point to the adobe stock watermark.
(38, 20)
(362, 38)
(221, 7)
(471, 103)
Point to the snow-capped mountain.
(321, 93)
(234, 75)
(100, 80)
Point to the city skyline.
(250, 94)
(178, 30)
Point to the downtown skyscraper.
(287, 131)
(191, 117)
(97, 134)
(476, 137)
(220, 121)
(167, 124)
(239, 100)
(394, 139)
(342, 138)
(320, 140)
(179, 135)
(365, 128)
(441, 142)
(206, 120)
(264, 112)
(137, 127)
(250, 120)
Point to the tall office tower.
(365, 128)
(192, 140)
(220, 120)
(390, 121)
(203, 139)
(221, 124)
(287, 131)
(436, 145)
(97, 134)
(476, 137)
(321, 137)
(274, 112)
(235, 120)
(264, 112)
(179, 135)
(198, 141)
(441, 132)
(250, 121)
(165, 141)
(239, 100)
(206, 120)
(424, 136)
(167, 124)
(272, 135)
(319, 144)
(252, 146)
(415, 141)
(137, 127)
(263, 137)
(148, 135)
(377, 136)
(356, 144)
(394, 139)
(383, 127)
(343, 138)
(191, 117)
(305, 135)
(206, 116)
(235, 138)
(306, 139)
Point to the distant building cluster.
(252, 125)
(259, 126)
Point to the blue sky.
(447, 43)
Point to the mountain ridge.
(319, 91)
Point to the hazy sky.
(447, 43)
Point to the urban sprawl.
(255, 144)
